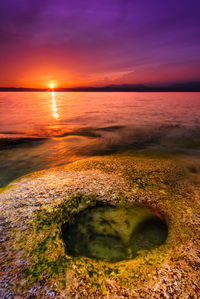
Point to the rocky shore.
(33, 259)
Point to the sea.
(39, 130)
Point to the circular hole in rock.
(113, 233)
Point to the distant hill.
(20, 89)
(190, 86)
(179, 87)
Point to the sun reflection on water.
(54, 106)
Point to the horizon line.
(178, 86)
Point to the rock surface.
(33, 209)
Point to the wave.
(112, 138)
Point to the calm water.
(40, 130)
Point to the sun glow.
(51, 86)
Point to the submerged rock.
(113, 233)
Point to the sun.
(51, 86)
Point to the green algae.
(44, 246)
(113, 233)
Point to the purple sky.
(89, 42)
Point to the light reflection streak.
(54, 106)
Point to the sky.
(89, 42)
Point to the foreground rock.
(34, 260)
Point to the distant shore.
(181, 87)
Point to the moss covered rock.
(40, 211)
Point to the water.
(41, 130)
(114, 233)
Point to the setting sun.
(51, 86)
